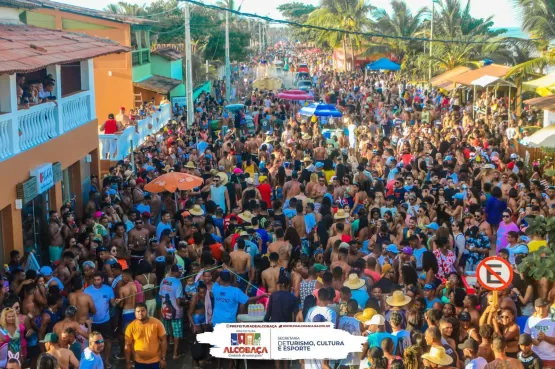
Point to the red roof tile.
(26, 48)
(168, 53)
(158, 84)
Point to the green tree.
(124, 8)
(298, 12)
(349, 15)
(538, 19)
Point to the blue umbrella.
(321, 110)
(234, 107)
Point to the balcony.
(27, 128)
(120, 145)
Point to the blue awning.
(383, 64)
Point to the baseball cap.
(392, 248)
(428, 287)
(320, 267)
(469, 344)
(145, 214)
(319, 165)
(50, 337)
(407, 250)
(514, 156)
(71, 311)
(433, 226)
(344, 245)
(465, 316)
(45, 271)
(540, 302)
(525, 339)
(376, 320)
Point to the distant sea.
(515, 32)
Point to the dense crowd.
(374, 221)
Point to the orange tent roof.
(544, 103)
(443, 80)
(495, 70)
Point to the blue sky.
(503, 12)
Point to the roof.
(26, 4)
(94, 13)
(383, 63)
(443, 80)
(542, 86)
(26, 49)
(494, 70)
(158, 84)
(488, 80)
(544, 103)
(168, 53)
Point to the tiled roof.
(26, 49)
(94, 13)
(494, 70)
(158, 84)
(168, 53)
(26, 4)
(443, 80)
(544, 103)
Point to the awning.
(543, 86)
(383, 64)
(544, 103)
(158, 84)
(490, 81)
(494, 70)
(443, 80)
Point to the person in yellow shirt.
(537, 242)
(146, 338)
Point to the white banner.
(281, 341)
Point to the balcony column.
(56, 72)
(87, 83)
(8, 104)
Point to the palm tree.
(349, 15)
(538, 18)
(401, 23)
(124, 8)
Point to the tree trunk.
(345, 52)
(352, 54)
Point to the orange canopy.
(173, 181)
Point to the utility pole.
(188, 68)
(260, 37)
(431, 45)
(227, 65)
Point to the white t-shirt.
(478, 363)
(534, 325)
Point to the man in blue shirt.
(90, 358)
(430, 296)
(103, 297)
(164, 224)
(376, 327)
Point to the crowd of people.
(372, 222)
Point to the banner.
(276, 341)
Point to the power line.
(358, 33)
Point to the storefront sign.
(45, 177)
(27, 191)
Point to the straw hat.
(437, 355)
(168, 168)
(354, 282)
(190, 165)
(397, 299)
(340, 214)
(365, 315)
(246, 216)
(196, 210)
(306, 136)
(307, 158)
(269, 139)
(223, 178)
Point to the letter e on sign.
(494, 273)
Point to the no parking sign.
(494, 273)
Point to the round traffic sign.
(494, 273)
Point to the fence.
(530, 154)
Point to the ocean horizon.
(516, 32)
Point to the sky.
(503, 13)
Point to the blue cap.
(433, 226)
(319, 165)
(160, 259)
(392, 248)
(448, 157)
(459, 196)
(520, 249)
(45, 271)
(111, 191)
(428, 287)
(149, 168)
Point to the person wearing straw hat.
(358, 289)
(340, 218)
(437, 358)
(434, 339)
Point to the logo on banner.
(246, 343)
(45, 177)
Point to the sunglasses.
(506, 216)
(98, 342)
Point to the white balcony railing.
(119, 145)
(76, 110)
(27, 128)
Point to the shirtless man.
(270, 276)
(340, 219)
(84, 304)
(30, 306)
(71, 322)
(299, 224)
(119, 241)
(339, 228)
(127, 297)
(64, 356)
(138, 239)
(338, 190)
(320, 152)
(137, 193)
(225, 162)
(279, 243)
(342, 261)
(292, 188)
(241, 264)
(55, 235)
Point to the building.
(168, 64)
(48, 136)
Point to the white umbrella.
(545, 137)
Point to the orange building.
(48, 124)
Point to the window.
(134, 44)
(136, 58)
(145, 57)
(71, 78)
(144, 40)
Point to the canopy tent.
(296, 95)
(383, 64)
(443, 80)
(495, 70)
(545, 137)
(234, 107)
(543, 86)
(486, 81)
(544, 103)
(321, 110)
